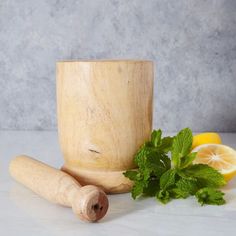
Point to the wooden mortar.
(104, 115)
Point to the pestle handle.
(90, 203)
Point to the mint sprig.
(210, 196)
(176, 176)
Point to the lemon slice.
(205, 138)
(218, 156)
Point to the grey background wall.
(193, 43)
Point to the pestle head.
(90, 204)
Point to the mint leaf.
(189, 186)
(152, 188)
(157, 163)
(156, 137)
(166, 161)
(163, 196)
(166, 144)
(181, 147)
(131, 174)
(187, 160)
(206, 175)
(167, 179)
(137, 189)
(184, 187)
(139, 158)
(152, 162)
(178, 193)
(210, 196)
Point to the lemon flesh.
(218, 156)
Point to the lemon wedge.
(218, 156)
(205, 138)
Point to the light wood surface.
(104, 116)
(90, 203)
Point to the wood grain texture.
(104, 116)
(89, 203)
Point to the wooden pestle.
(89, 202)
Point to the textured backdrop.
(192, 42)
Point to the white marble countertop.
(24, 213)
